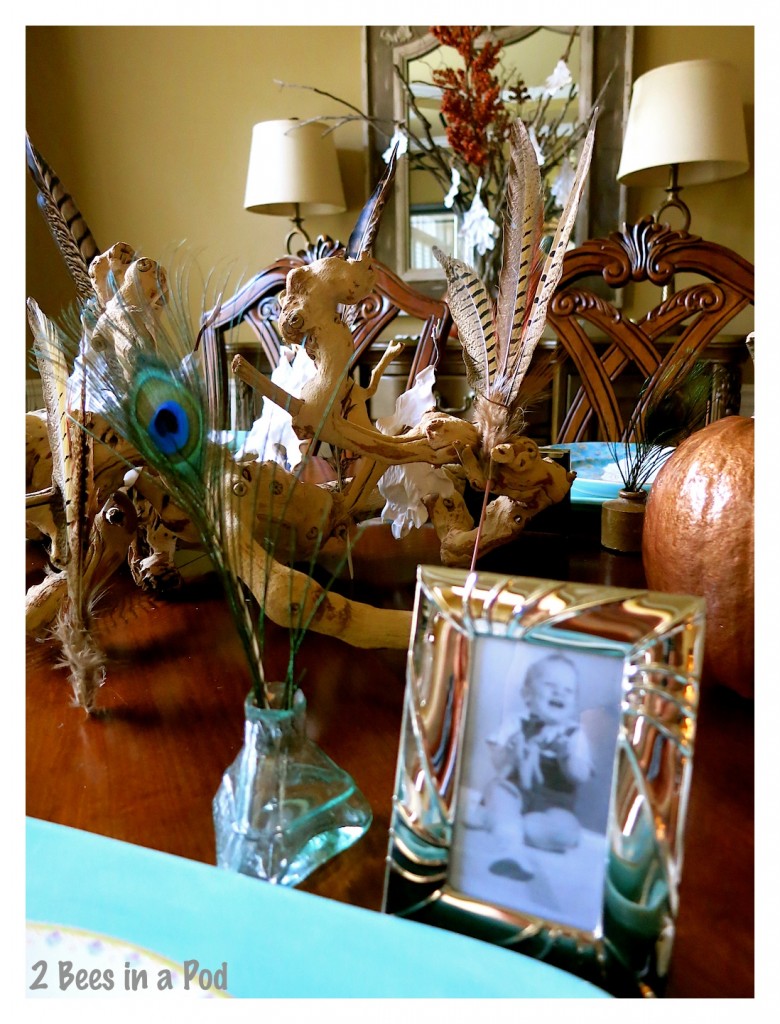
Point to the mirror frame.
(603, 205)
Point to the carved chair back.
(257, 304)
(606, 347)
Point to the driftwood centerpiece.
(137, 387)
(332, 408)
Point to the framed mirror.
(417, 216)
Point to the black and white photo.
(532, 808)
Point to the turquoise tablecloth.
(275, 942)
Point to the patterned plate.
(598, 478)
(63, 961)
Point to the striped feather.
(71, 445)
(525, 335)
(523, 226)
(361, 240)
(472, 311)
(53, 368)
(69, 229)
(72, 473)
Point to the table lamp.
(293, 172)
(686, 127)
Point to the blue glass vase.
(283, 807)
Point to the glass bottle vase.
(283, 807)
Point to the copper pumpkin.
(699, 539)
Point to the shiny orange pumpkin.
(699, 539)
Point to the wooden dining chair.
(256, 304)
(610, 356)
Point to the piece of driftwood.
(112, 532)
(333, 405)
(522, 479)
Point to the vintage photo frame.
(544, 767)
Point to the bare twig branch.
(444, 171)
(321, 92)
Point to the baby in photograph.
(539, 766)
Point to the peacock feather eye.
(169, 427)
(168, 418)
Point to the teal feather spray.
(671, 406)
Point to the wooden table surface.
(146, 766)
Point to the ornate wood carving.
(603, 344)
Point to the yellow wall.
(723, 210)
(149, 130)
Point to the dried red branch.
(476, 118)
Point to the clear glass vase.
(283, 807)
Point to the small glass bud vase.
(283, 807)
(622, 521)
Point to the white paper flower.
(272, 437)
(564, 180)
(404, 487)
(410, 406)
(449, 199)
(478, 231)
(399, 139)
(559, 79)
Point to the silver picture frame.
(544, 767)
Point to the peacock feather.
(672, 405)
(132, 355)
(142, 378)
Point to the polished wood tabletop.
(145, 767)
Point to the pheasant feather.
(525, 336)
(69, 229)
(498, 344)
(72, 469)
(363, 235)
(523, 227)
(472, 310)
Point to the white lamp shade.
(293, 165)
(689, 114)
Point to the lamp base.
(298, 229)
